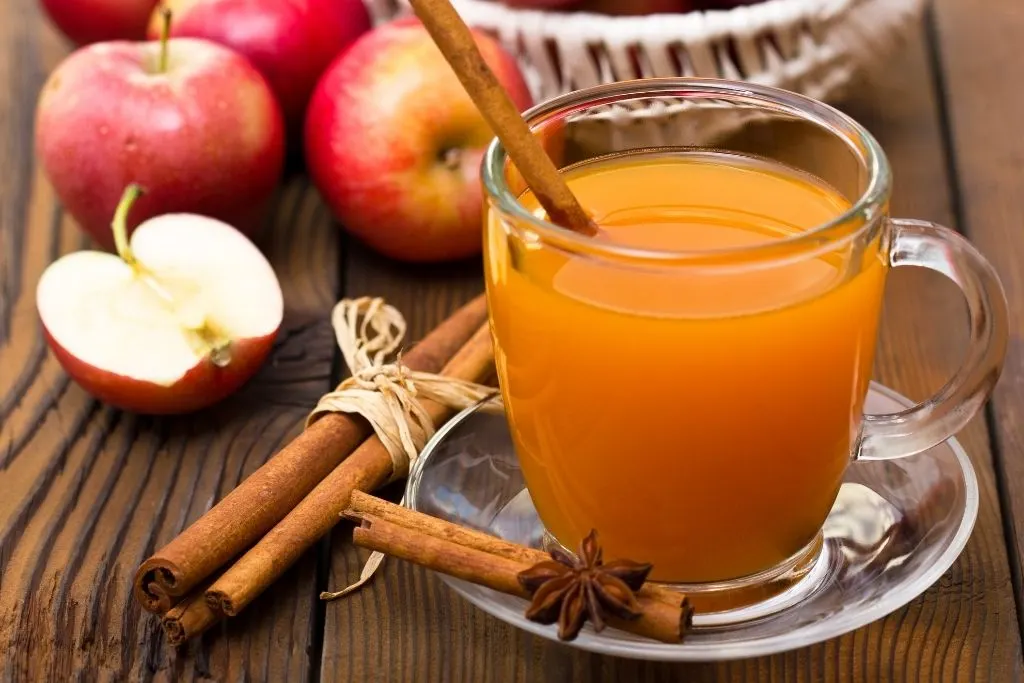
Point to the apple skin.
(92, 21)
(725, 4)
(637, 7)
(205, 137)
(377, 130)
(541, 4)
(202, 386)
(290, 42)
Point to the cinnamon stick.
(189, 618)
(362, 505)
(659, 621)
(369, 467)
(269, 493)
(456, 43)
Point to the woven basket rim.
(692, 25)
(816, 47)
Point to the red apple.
(183, 316)
(636, 7)
(91, 21)
(724, 4)
(201, 131)
(291, 42)
(541, 4)
(394, 143)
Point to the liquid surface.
(698, 201)
(700, 420)
(693, 202)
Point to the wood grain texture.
(407, 626)
(106, 488)
(962, 629)
(980, 54)
(376, 634)
(89, 491)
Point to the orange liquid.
(699, 420)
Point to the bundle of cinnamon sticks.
(236, 550)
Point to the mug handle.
(928, 245)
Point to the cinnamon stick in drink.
(658, 620)
(368, 468)
(269, 493)
(454, 39)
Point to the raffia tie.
(387, 393)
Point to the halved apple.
(181, 317)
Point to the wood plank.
(947, 634)
(980, 53)
(394, 633)
(408, 626)
(91, 491)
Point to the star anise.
(571, 590)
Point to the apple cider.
(700, 417)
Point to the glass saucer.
(896, 527)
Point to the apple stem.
(165, 33)
(120, 223)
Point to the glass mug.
(699, 408)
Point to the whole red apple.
(194, 124)
(92, 21)
(291, 42)
(181, 317)
(394, 143)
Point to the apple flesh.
(181, 318)
(202, 133)
(92, 21)
(290, 42)
(394, 143)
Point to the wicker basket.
(815, 47)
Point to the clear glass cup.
(710, 436)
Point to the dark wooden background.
(86, 492)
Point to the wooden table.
(87, 492)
